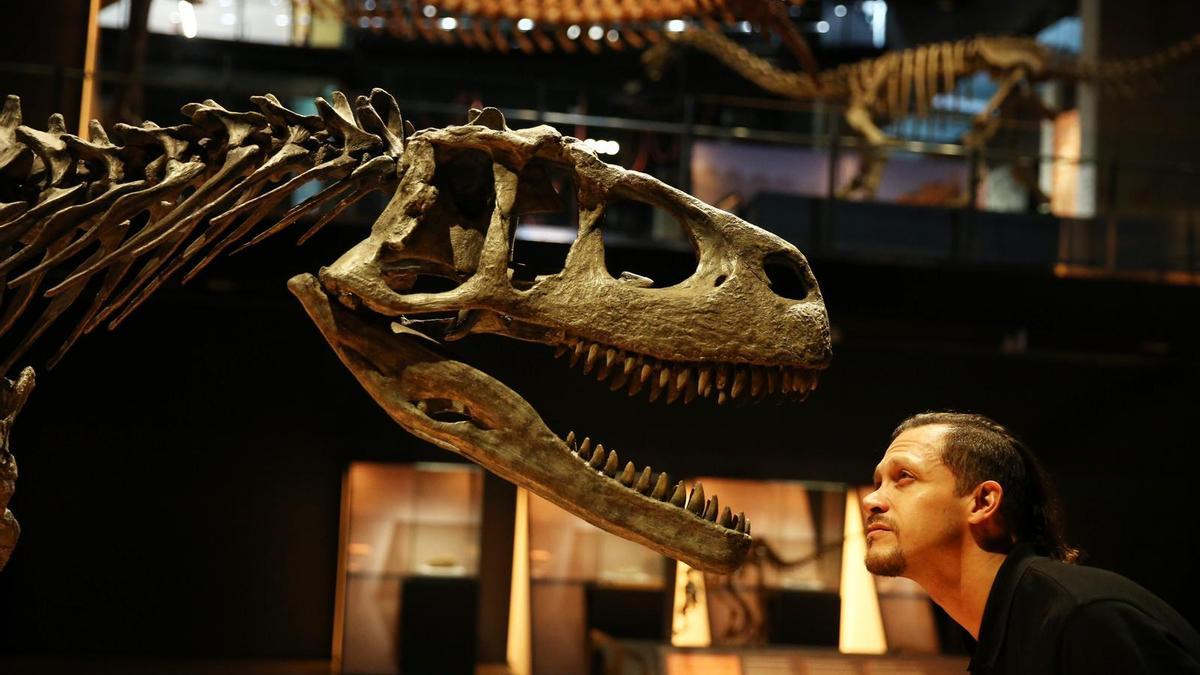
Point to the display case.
(409, 563)
(787, 592)
(587, 587)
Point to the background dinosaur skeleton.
(884, 89)
(114, 221)
(563, 25)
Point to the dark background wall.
(1147, 132)
(180, 478)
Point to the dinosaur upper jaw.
(466, 411)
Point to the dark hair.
(977, 449)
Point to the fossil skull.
(116, 221)
(748, 323)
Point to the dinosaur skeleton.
(120, 219)
(884, 89)
(562, 25)
(12, 398)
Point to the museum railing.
(1031, 199)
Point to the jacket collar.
(995, 611)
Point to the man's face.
(913, 515)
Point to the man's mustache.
(878, 518)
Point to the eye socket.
(785, 277)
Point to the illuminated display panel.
(401, 524)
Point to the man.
(964, 509)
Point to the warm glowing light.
(689, 618)
(862, 624)
(595, 32)
(676, 25)
(612, 35)
(525, 25)
(519, 652)
(187, 19)
(448, 23)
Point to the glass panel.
(787, 592)
(578, 575)
(800, 522)
(564, 548)
(405, 522)
(265, 21)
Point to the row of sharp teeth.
(687, 380)
(693, 501)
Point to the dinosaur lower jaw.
(466, 411)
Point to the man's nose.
(873, 503)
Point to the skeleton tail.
(1128, 70)
(796, 85)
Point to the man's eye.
(906, 477)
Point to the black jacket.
(1043, 616)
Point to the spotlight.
(187, 18)
(573, 32)
(448, 23)
(525, 25)
(595, 32)
(676, 25)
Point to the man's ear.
(985, 503)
